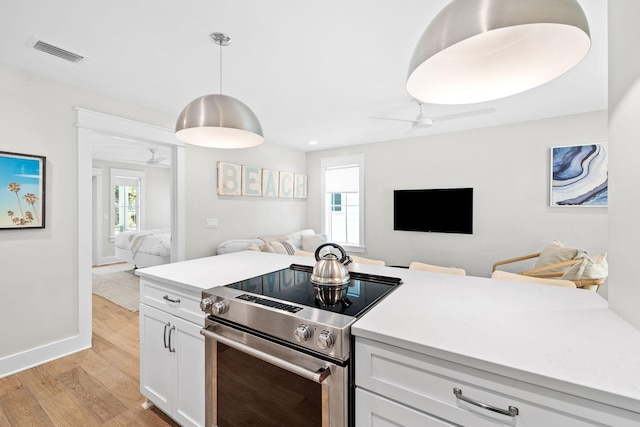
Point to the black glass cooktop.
(293, 285)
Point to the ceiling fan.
(422, 120)
(155, 160)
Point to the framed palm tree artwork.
(22, 191)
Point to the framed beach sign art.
(579, 175)
(229, 179)
(22, 179)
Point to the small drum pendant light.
(480, 50)
(219, 121)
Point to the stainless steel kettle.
(329, 269)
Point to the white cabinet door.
(189, 354)
(156, 362)
(172, 365)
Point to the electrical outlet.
(211, 223)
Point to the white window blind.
(344, 179)
(126, 181)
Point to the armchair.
(561, 262)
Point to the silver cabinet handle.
(511, 412)
(317, 377)
(172, 349)
(164, 335)
(175, 301)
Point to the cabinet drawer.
(427, 384)
(375, 411)
(179, 302)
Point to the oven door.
(253, 381)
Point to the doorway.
(93, 127)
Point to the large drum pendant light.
(219, 121)
(480, 50)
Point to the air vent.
(56, 51)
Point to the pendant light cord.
(221, 39)
(220, 68)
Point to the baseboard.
(37, 356)
(108, 260)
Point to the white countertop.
(559, 338)
(204, 273)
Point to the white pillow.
(284, 248)
(556, 252)
(311, 242)
(590, 268)
(295, 237)
(253, 247)
(266, 247)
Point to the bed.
(144, 248)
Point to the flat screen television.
(439, 210)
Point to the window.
(343, 200)
(126, 208)
(127, 188)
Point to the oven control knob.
(219, 307)
(206, 303)
(325, 340)
(302, 333)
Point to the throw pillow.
(284, 248)
(253, 247)
(278, 248)
(265, 247)
(590, 268)
(289, 246)
(556, 252)
(311, 242)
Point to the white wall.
(157, 198)
(40, 286)
(238, 216)
(508, 167)
(624, 105)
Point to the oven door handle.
(317, 377)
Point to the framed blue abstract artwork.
(579, 175)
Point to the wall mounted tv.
(439, 210)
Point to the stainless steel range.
(276, 355)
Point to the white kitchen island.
(558, 355)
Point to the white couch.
(301, 243)
(303, 240)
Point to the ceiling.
(310, 70)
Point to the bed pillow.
(310, 242)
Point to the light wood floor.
(95, 387)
